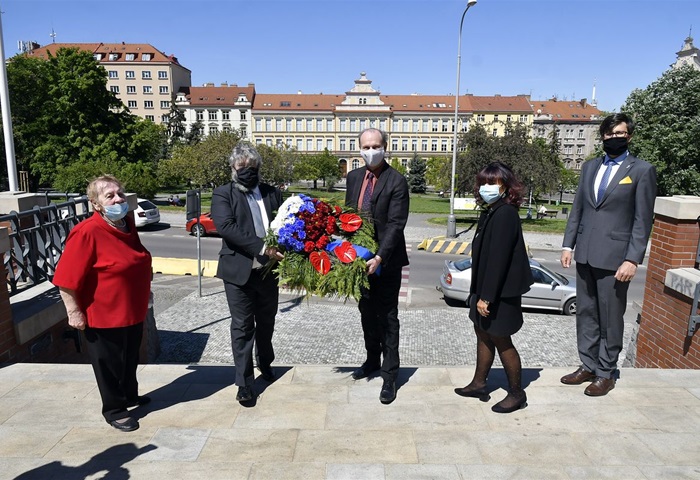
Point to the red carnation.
(309, 247)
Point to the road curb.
(442, 245)
(183, 266)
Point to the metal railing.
(37, 239)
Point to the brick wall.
(662, 341)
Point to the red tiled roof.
(426, 103)
(562, 110)
(106, 48)
(297, 102)
(497, 103)
(222, 95)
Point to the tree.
(416, 175)
(176, 123)
(439, 173)
(318, 167)
(398, 166)
(196, 133)
(668, 132)
(534, 162)
(68, 127)
(278, 163)
(204, 164)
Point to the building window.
(213, 129)
(329, 144)
(131, 89)
(268, 124)
(405, 126)
(443, 146)
(394, 145)
(129, 57)
(145, 57)
(568, 149)
(363, 101)
(329, 125)
(495, 118)
(309, 144)
(243, 114)
(481, 117)
(113, 74)
(444, 125)
(114, 89)
(300, 125)
(435, 126)
(97, 56)
(342, 145)
(309, 124)
(343, 125)
(404, 145)
(130, 74)
(147, 89)
(152, 118)
(424, 145)
(285, 104)
(165, 118)
(148, 104)
(509, 118)
(433, 146)
(226, 115)
(278, 124)
(494, 132)
(352, 144)
(404, 162)
(523, 118)
(300, 144)
(319, 144)
(414, 145)
(355, 164)
(244, 132)
(146, 75)
(580, 133)
(131, 104)
(569, 133)
(395, 125)
(319, 125)
(579, 150)
(289, 124)
(164, 89)
(213, 115)
(165, 104)
(113, 57)
(226, 129)
(268, 142)
(200, 115)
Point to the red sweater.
(110, 272)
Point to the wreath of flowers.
(325, 247)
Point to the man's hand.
(566, 258)
(273, 253)
(483, 308)
(373, 264)
(626, 271)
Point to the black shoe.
(511, 404)
(245, 394)
(140, 401)
(388, 393)
(480, 393)
(267, 373)
(127, 424)
(365, 371)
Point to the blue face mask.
(116, 212)
(490, 193)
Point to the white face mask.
(372, 157)
(116, 212)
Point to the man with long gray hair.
(242, 211)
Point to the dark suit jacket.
(500, 267)
(389, 211)
(234, 222)
(618, 229)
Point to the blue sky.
(538, 47)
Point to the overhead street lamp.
(451, 221)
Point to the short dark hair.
(612, 121)
(499, 172)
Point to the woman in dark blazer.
(500, 275)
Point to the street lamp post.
(451, 221)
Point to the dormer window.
(145, 57)
(113, 57)
(285, 104)
(97, 56)
(129, 57)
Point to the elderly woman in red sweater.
(104, 277)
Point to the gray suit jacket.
(605, 235)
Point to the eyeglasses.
(615, 134)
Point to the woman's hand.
(482, 306)
(76, 319)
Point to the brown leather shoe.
(600, 386)
(578, 377)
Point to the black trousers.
(379, 310)
(253, 308)
(114, 353)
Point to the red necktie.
(367, 197)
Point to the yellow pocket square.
(625, 181)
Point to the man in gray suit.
(609, 227)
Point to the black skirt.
(505, 316)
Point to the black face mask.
(615, 146)
(248, 177)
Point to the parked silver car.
(551, 290)
(146, 213)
